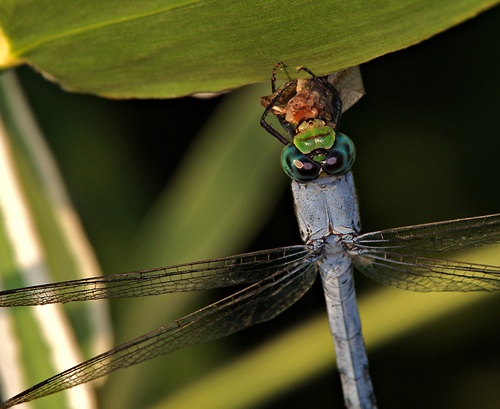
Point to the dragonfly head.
(317, 149)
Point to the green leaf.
(161, 49)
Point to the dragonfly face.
(316, 149)
(309, 110)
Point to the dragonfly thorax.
(336, 196)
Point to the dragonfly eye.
(341, 157)
(298, 166)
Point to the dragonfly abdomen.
(336, 272)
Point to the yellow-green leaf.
(124, 48)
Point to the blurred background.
(427, 139)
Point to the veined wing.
(349, 83)
(221, 272)
(425, 274)
(388, 256)
(257, 303)
(433, 237)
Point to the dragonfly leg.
(268, 109)
(273, 75)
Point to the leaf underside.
(158, 49)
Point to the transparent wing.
(257, 303)
(349, 83)
(434, 237)
(222, 272)
(388, 256)
(425, 274)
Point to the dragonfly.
(327, 214)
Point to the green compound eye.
(298, 166)
(341, 157)
(302, 168)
